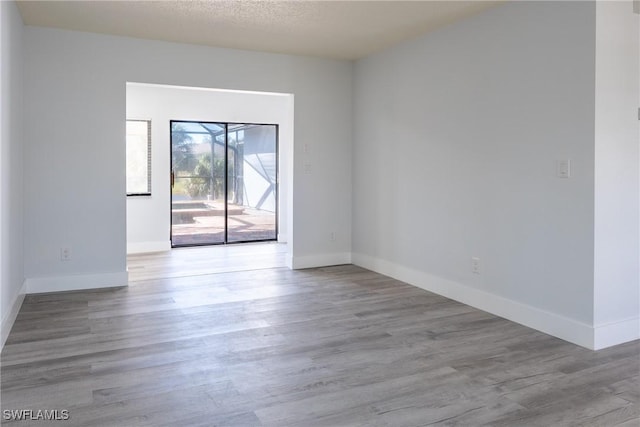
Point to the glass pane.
(251, 182)
(197, 192)
(138, 157)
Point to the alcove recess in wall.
(149, 218)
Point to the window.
(138, 157)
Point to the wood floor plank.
(192, 343)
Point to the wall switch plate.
(307, 168)
(563, 168)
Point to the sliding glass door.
(251, 182)
(223, 183)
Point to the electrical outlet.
(475, 265)
(65, 254)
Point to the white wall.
(75, 92)
(148, 218)
(457, 135)
(617, 257)
(11, 160)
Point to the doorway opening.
(224, 183)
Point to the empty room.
(320, 213)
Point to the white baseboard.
(321, 260)
(37, 285)
(9, 318)
(148, 247)
(616, 333)
(544, 321)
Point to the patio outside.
(204, 225)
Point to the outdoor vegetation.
(196, 174)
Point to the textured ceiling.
(331, 29)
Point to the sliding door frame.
(226, 182)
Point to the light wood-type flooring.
(187, 344)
